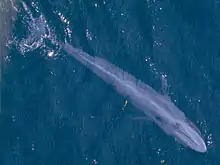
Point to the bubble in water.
(37, 32)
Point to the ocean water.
(56, 112)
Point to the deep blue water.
(57, 112)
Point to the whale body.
(157, 107)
